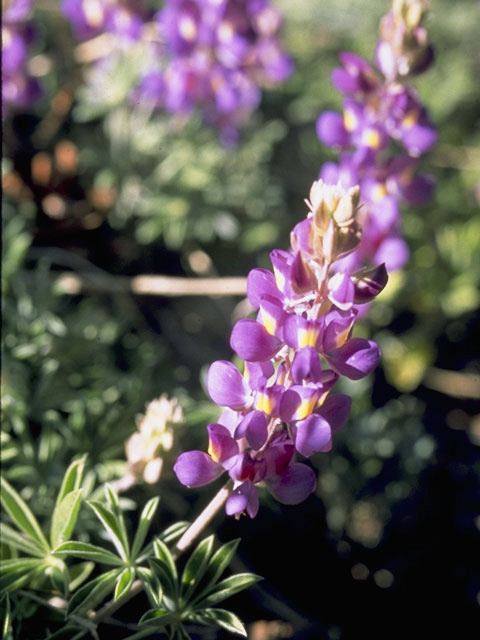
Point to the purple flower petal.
(294, 485)
(251, 341)
(306, 365)
(313, 434)
(196, 468)
(336, 410)
(355, 359)
(260, 282)
(254, 428)
(331, 130)
(243, 498)
(225, 385)
(221, 445)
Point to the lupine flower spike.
(383, 131)
(19, 88)
(295, 350)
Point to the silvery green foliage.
(43, 568)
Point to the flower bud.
(368, 283)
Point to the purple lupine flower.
(218, 54)
(379, 114)
(19, 88)
(295, 350)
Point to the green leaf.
(112, 525)
(225, 619)
(124, 582)
(162, 571)
(79, 573)
(114, 504)
(87, 551)
(181, 633)
(151, 584)
(162, 552)
(16, 578)
(174, 531)
(195, 567)
(21, 515)
(72, 479)
(217, 565)
(92, 593)
(145, 520)
(6, 616)
(65, 517)
(157, 617)
(229, 587)
(15, 539)
(19, 564)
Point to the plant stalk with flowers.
(294, 351)
(383, 132)
(19, 88)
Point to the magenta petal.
(225, 385)
(196, 468)
(306, 365)
(336, 410)
(254, 428)
(251, 341)
(313, 434)
(393, 252)
(355, 359)
(221, 445)
(243, 499)
(331, 130)
(294, 485)
(260, 282)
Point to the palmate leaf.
(6, 617)
(113, 527)
(162, 552)
(114, 504)
(92, 593)
(196, 566)
(72, 479)
(217, 565)
(78, 573)
(21, 515)
(65, 517)
(124, 582)
(174, 531)
(162, 572)
(21, 573)
(17, 540)
(228, 587)
(222, 618)
(143, 526)
(157, 617)
(87, 551)
(152, 585)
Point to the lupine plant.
(383, 131)
(196, 53)
(294, 350)
(19, 88)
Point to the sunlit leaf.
(23, 573)
(143, 526)
(218, 563)
(162, 571)
(225, 619)
(151, 584)
(16, 539)
(229, 587)
(174, 532)
(124, 582)
(6, 618)
(112, 526)
(87, 551)
(21, 514)
(78, 573)
(162, 552)
(65, 517)
(195, 567)
(157, 617)
(72, 479)
(92, 593)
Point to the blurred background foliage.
(97, 187)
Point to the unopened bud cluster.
(295, 350)
(154, 437)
